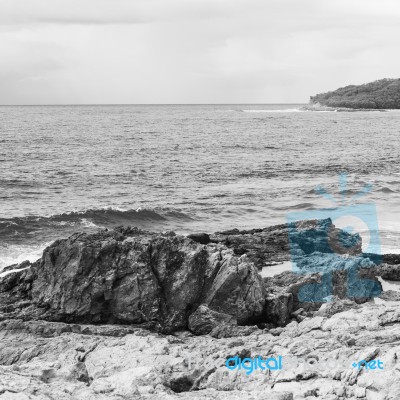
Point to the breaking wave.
(19, 228)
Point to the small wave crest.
(300, 206)
(18, 229)
(386, 189)
(24, 238)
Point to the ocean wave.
(25, 238)
(300, 206)
(386, 189)
(17, 229)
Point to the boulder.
(204, 320)
(389, 272)
(136, 277)
(202, 238)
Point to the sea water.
(185, 168)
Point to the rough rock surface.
(128, 314)
(49, 360)
(278, 243)
(131, 276)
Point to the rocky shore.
(130, 314)
(321, 108)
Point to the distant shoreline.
(379, 95)
(319, 108)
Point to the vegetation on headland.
(381, 94)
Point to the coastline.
(321, 108)
(163, 312)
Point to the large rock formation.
(169, 282)
(72, 323)
(136, 277)
(382, 94)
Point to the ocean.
(186, 168)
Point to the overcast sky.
(192, 51)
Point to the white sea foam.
(389, 285)
(18, 254)
(275, 111)
(276, 269)
(3, 274)
(88, 224)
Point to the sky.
(192, 51)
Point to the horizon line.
(147, 104)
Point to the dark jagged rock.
(136, 277)
(282, 242)
(167, 282)
(202, 238)
(391, 259)
(261, 246)
(204, 320)
(390, 272)
(381, 94)
(282, 296)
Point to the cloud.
(26, 12)
(107, 12)
(176, 51)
